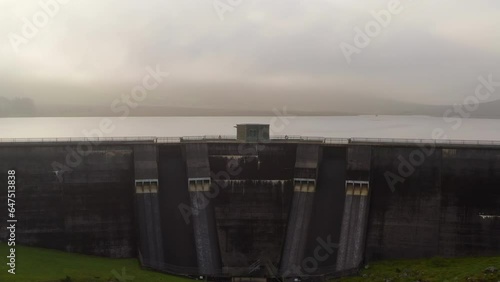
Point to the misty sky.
(255, 54)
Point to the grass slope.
(43, 265)
(469, 269)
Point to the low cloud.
(264, 54)
(17, 107)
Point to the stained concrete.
(205, 235)
(307, 162)
(90, 210)
(448, 206)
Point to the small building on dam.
(255, 205)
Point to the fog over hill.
(258, 56)
(24, 107)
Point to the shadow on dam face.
(235, 209)
(328, 209)
(178, 237)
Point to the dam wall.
(447, 205)
(147, 205)
(307, 162)
(282, 208)
(179, 249)
(253, 184)
(70, 202)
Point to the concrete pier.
(357, 188)
(148, 212)
(305, 177)
(205, 231)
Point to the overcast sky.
(253, 54)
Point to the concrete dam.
(254, 206)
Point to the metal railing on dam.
(79, 140)
(232, 138)
(424, 141)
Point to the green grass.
(469, 269)
(43, 265)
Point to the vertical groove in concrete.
(205, 234)
(150, 231)
(354, 228)
(155, 219)
(200, 229)
(361, 233)
(206, 241)
(344, 231)
(308, 204)
(297, 231)
(287, 256)
(143, 243)
(149, 228)
(207, 247)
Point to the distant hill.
(23, 107)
